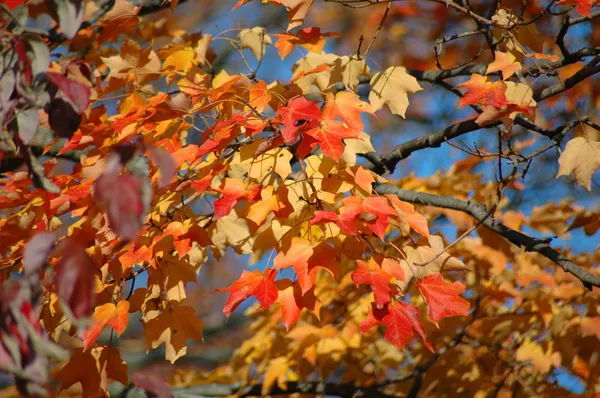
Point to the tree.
(138, 152)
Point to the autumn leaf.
(93, 368)
(400, 321)
(74, 277)
(297, 11)
(581, 158)
(442, 297)
(251, 283)
(392, 87)
(37, 251)
(173, 327)
(505, 63)
(310, 38)
(349, 108)
(115, 316)
(370, 273)
(299, 115)
(530, 351)
(480, 91)
(233, 191)
(331, 132)
(126, 202)
(256, 40)
(584, 7)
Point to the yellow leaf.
(392, 88)
(180, 60)
(581, 158)
(255, 39)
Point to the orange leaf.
(251, 283)
(505, 63)
(442, 297)
(370, 273)
(116, 316)
(480, 91)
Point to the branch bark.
(479, 212)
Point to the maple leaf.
(442, 297)
(370, 273)
(292, 301)
(116, 316)
(233, 191)
(255, 39)
(310, 38)
(584, 7)
(349, 108)
(330, 133)
(126, 202)
(180, 60)
(74, 277)
(93, 368)
(392, 88)
(400, 321)
(251, 283)
(505, 63)
(581, 158)
(144, 65)
(297, 11)
(78, 94)
(480, 91)
(173, 327)
(259, 96)
(37, 250)
(299, 115)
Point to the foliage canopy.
(140, 156)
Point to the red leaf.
(251, 283)
(300, 114)
(13, 3)
(370, 273)
(77, 93)
(37, 250)
(400, 320)
(330, 132)
(74, 278)
(322, 217)
(125, 201)
(442, 297)
(297, 256)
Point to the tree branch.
(479, 212)
(344, 390)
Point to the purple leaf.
(37, 250)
